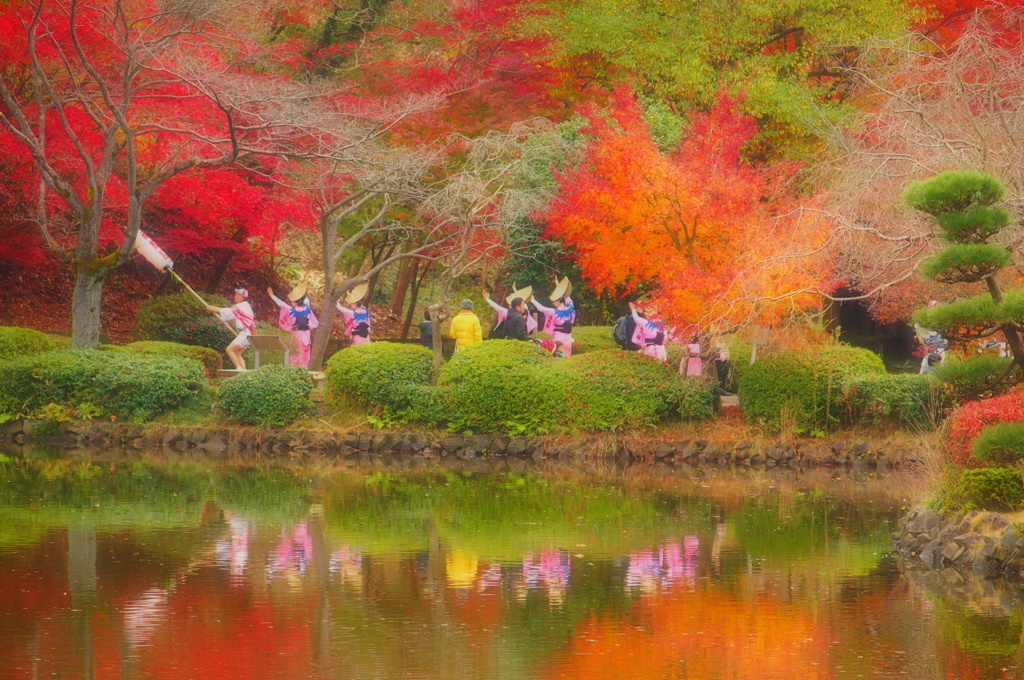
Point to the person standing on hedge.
(559, 319)
(242, 316)
(466, 327)
(529, 323)
(297, 318)
(357, 317)
(649, 335)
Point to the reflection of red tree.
(214, 632)
(698, 635)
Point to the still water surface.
(180, 569)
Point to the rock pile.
(985, 542)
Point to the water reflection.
(174, 569)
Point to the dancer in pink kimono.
(559, 319)
(357, 317)
(650, 335)
(694, 363)
(523, 294)
(297, 318)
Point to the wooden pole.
(201, 300)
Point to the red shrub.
(968, 420)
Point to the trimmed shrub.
(906, 399)
(492, 387)
(97, 382)
(1002, 444)
(611, 389)
(20, 342)
(967, 422)
(269, 396)
(593, 338)
(805, 385)
(210, 359)
(207, 332)
(993, 488)
(379, 374)
(167, 311)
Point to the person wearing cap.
(297, 318)
(559, 319)
(357, 317)
(529, 322)
(649, 335)
(466, 327)
(244, 320)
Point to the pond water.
(178, 568)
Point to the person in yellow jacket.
(465, 327)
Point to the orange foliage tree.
(715, 240)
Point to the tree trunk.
(438, 313)
(417, 281)
(85, 310)
(406, 275)
(322, 334)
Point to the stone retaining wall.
(985, 542)
(333, 442)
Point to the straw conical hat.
(357, 293)
(298, 292)
(562, 289)
(517, 292)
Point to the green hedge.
(593, 338)
(167, 311)
(268, 396)
(612, 389)
(211, 360)
(806, 386)
(20, 342)
(1002, 444)
(208, 332)
(378, 374)
(969, 379)
(906, 399)
(988, 488)
(492, 387)
(97, 382)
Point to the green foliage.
(971, 378)
(19, 342)
(493, 388)
(806, 386)
(269, 396)
(973, 226)
(593, 338)
(978, 312)
(1002, 444)
(612, 389)
(666, 126)
(208, 332)
(954, 191)
(989, 488)
(168, 311)
(965, 262)
(211, 360)
(99, 382)
(906, 399)
(739, 360)
(380, 374)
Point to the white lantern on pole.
(154, 254)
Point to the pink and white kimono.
(694, 364)
(502, 312)
(558, 323)
(650, 336)
(298, 321)
(357, 324)
(244, 320)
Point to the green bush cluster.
(988, 488)
(98, 383)
(379, 374)
(180, 318)
(20, 342)
(509, 386)
(593, 338)
(804, 385)
(211, 360)
(967, 380)
(270, 396)
(907, 399)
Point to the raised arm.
(541, 307)
(494, 305)
(279, 302)
(345, 311)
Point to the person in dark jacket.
(515, 322)
(427, 331)
(631, 346)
